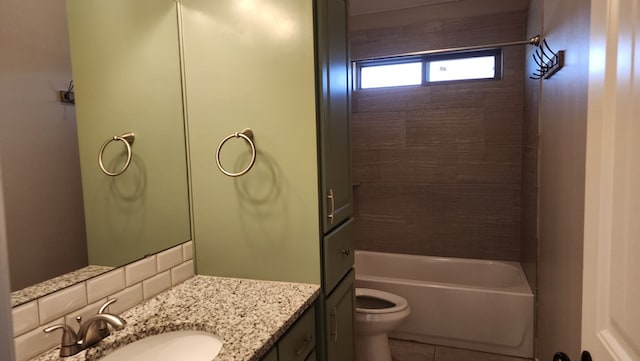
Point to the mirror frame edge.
(6, 315)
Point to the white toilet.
(377, 313)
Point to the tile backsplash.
(130, 284)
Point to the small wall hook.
(68, 96)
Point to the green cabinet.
(337, 255)
(337, 299)
(312, 357)
(300, 340)
(272, 355)
(333, 106)
(340, 321)
(333, 81)
(298, 343)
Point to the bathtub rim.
(523, 288)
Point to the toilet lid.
(375, 301)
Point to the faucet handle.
(103, 330)
(69, 343)
(69, 337)
(106, 304)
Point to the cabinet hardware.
(307, 340)
(334, 325)
(345, 251)
(333, 206)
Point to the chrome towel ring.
(127, 139)
(246, 134)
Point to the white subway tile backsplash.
(36, 341)
(156, 284)
(181, 273)
(131, 285)
(140, 270)
(84, 312)
(102, 286)
(25, 318)
(187, 251)
(169, 258)
(127, 298)
(62, 302)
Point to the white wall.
(38, 144)
(562, 157)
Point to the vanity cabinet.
(299, 343)
(272, 355)
(300, 340)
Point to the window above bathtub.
(428, 69)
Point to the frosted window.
(391, 75)
(483, 67)
(428, 68)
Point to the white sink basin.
(170, 346)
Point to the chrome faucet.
(91, 331)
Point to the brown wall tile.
(391, 99)
(439, 167)
(378, 130)
(444, 125)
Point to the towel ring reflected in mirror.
(127, 139)
(247, 135)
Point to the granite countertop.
(249, 316)
(44, 288)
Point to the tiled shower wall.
(437, 169)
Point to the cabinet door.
(334, 91)
(312, 357)
(300, 340)
(340, 321)
(272, 355)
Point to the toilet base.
(373, 348)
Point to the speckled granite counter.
(44, 288)
(248, 315)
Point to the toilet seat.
(398, 303)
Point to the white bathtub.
(474, 304)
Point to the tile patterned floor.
(414, 351)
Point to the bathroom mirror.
(63, 212)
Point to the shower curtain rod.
(535, 40)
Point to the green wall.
(250, 64)
(126, 66)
